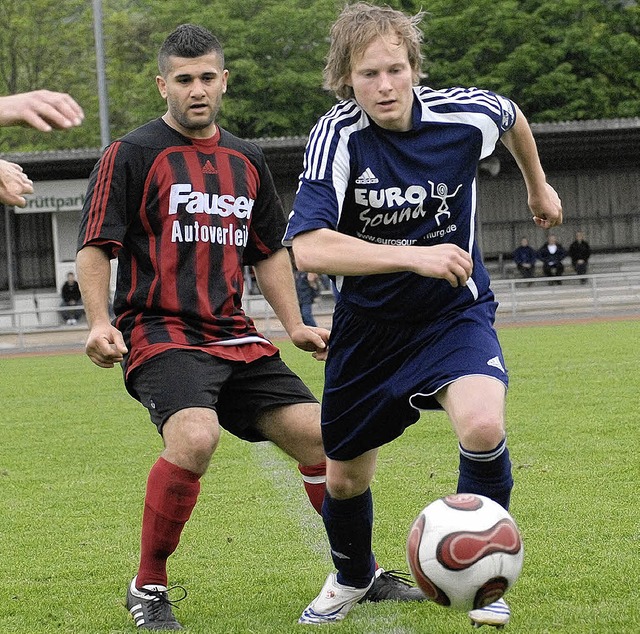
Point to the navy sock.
(349, 525)
(487, 473)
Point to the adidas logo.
(366, 178)
(495, 362)
(207, 168)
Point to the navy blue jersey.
(403, 188)
(183, 215)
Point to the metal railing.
(17, 324)
(592, 294)
(598, 294)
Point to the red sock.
(171, 495)
(314, 479)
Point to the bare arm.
(105, 345)
(14, 183)
(328, 251)
(43, 110)
(275, 278)
(543, 199)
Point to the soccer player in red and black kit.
(183, 205)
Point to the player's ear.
(225, 79)
(162, 86)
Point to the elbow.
(300, 258)
(305, 254)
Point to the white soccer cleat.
(333, 603)
(496, 614)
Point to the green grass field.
(75, 451)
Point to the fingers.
(459, 269)
(443, 261)
(43, 110)
(547, 208)
(321, 356)
(49, 110)
(311, 339)
(14, 183)
(104, 352)
(546, 223)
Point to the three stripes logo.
(207, 168)
(367, 178)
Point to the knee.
(313, 451)
(482, 433)
(191, 444)
(202, 441)
(346, 488)
(344, 484)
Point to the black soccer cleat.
(392, 585)
(151, 607)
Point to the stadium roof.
(562, 145)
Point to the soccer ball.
(464, 551)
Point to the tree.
(40, 44)
(558, 59)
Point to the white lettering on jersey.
(182, 197)
(400, 206)
(390, 217)
(231, 235)
(390, 197)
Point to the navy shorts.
(239, 392)
(379, 375)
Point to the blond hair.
(356, 27)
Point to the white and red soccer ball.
(464, 551)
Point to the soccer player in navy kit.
(184, 204)
(386, 205)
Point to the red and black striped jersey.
(182, 216)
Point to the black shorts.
(239, 392)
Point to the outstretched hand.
(43, 110)
(312, 339)
(14, 183)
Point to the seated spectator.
(525, 258)
(579, 252)
(552, 255)
(71, 297)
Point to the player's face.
(382, 82)
(193, 89)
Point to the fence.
(595, 295)
(520, 300)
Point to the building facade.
(594, 165)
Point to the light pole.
(103, 96)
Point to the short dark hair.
(188, 40)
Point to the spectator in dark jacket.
(552, 255)
(525, 258)
(580, 252)
(70, 293)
